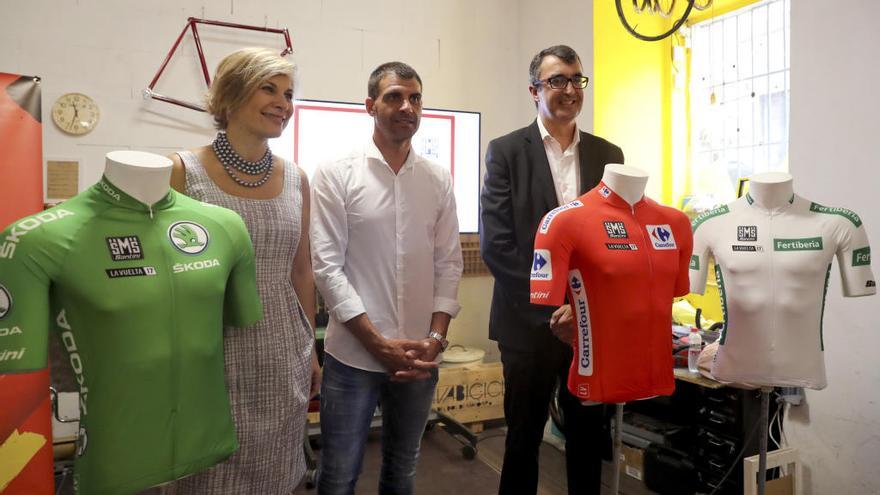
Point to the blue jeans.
(348, 399)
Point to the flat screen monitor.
(320, 131)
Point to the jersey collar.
(115, 196)
(614, 199)
(754, 204)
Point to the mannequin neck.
(143, 176)
(627, 182)
(771, 190)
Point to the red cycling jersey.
(620, 266)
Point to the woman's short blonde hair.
(238, 75)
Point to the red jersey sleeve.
(553, 247)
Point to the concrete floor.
(450, 473)
(443, 470)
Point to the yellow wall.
(633, 97)
(631, 103)
(634, 91)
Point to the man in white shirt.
(387, 260)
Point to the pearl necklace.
(232, 162)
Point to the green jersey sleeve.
(26, 263)
(24, 304)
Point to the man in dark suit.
(529, 172)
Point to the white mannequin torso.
(771, 190)
(627, 182)
(143, 176)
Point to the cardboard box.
(471, 393)
(781, 486)
(632, 462)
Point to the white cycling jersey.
(772, 268)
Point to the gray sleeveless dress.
(268, 365)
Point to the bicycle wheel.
(641, 5)
(631, 20)
(664, 7)
(702, 4)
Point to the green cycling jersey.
(140, 296)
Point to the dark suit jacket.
(517, 191)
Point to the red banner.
(25, 411)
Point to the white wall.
(471, 55)
(466, 53)
(835, 160)
(567, 22)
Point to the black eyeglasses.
(560, 82)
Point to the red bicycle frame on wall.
(191, 23)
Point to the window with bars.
(739, 96)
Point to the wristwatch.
(439, 338)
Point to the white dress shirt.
(564, 164)
(383, 244)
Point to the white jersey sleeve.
(853, 253)
(699, 264)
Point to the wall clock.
(75, 113)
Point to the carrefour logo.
(542, 268)
(5, 302)
(661, 236)
(540, 262)
(802, 244)
(584, 326)
(548, 219)
(188, 237)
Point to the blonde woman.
(271, 367)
